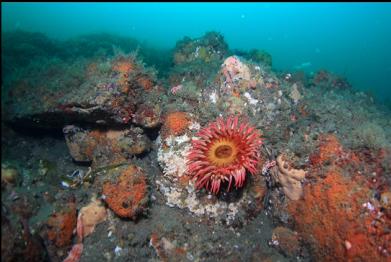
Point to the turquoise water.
(352, 40)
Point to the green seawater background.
(350, 39)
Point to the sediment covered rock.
(102, 146)
(100, 92)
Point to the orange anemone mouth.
(222, 152)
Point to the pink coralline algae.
(176, 89)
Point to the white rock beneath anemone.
(172, 154)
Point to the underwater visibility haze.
(196, 132)
(350, 39)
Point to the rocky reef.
(210, 155)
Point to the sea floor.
(194, 238)
(94, 157)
